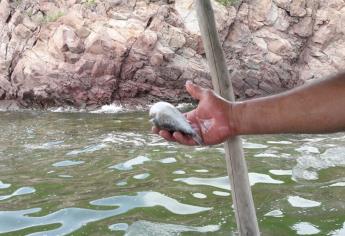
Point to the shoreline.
(113, 108)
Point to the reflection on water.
(98, 174)
(297, 201)
(18, 192)
(152, 229)
(71, 219)
(305, 228)
(224, 183)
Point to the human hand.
(212, 119)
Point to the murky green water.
(97, 174)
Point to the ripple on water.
(308, 149)
(128, 165)
(67, 163)
(88, 149)
(161, 229)
(201, 171)
(65, 176)
(112, 108)
(339, 184)
(297, 201)
(338, 232)
(20, 191)
(281, 172)
(275, 213)
(123, 138)
(199, 195)
(71, 219)
(150, 199)
(118, 227)
(305, 228)
(45, 146)
(3, 185)
(221, 193)
(141, 176)
(279, 142)
(223, 182)
(307, 165)
(249, 145)
(168, 160)
(121, 183)
(179, 172)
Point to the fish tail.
(196, 137)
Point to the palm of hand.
(211, 119)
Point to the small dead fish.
(165, 116)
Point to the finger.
(195, 91)
(167, 135)
(191, 116)
(155, 130)
(183, 139)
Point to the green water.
(105, 174)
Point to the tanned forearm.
(318, 107)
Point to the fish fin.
(196, 137)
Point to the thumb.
(195, 91)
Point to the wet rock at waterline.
(90, 53)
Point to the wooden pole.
(237, 169)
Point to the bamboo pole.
(236, 166)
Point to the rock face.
(90, 52)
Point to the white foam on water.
(88, 149)
(162, 229)
(128, 165)
(64, 109)
(305, 228)
(248, 145)
(45, 146)
(301, 173)
(3, 185)
(281, 172)
(280, 142)
(264, 154)
(221, 193)
(18, 192)
(308, 149)
(201, 171)
(297, 201)
(125, 138)
(199, 195)
(308, 165)
(179, 172)
(275, 213)
(338, 232)
(67, 163)
(141, 176)
(313, 140)
(167, 160)
(112, 108)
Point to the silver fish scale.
(174, 121)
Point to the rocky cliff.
(92, 52)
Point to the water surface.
(105, 174)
